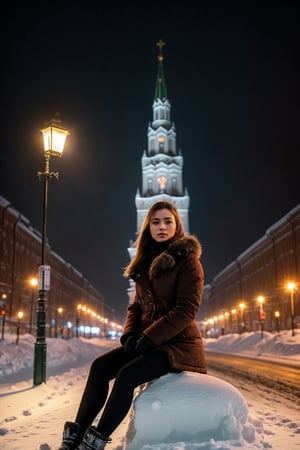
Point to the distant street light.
(242, 307)
(54, 136)
(33, 283)
(3, 313)
(291, 287)
(60, 311)
(20, 316)
(222, 319)
(78, 309)
(277, 320)
(232, 319)
(262, 314)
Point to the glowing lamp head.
(33, 282)
(54, 136)
(260, 299)
(291, 286)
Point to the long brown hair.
(144, 238)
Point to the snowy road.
(277, 409)
(281, 375)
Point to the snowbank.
(188, 407)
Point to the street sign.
(262, 315)
(44, 278)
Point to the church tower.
(162, 164)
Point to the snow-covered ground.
(32, 417)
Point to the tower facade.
(162, 163)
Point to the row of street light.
(87, 323)
(291, 286)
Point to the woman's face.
(162, 225)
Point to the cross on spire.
(160, 44)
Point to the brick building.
(20, 258)
(253, 291)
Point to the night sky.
(232, 76)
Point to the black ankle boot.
(72, 436)
(93, 440)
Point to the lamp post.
(262, 315)
(291, 287)
(20, 316)
(33, 282)
(54, 137)
(277, 320)
(84, 321)
(78, 309)
(61, 326)
(233, 321)
(3, 313)
(222, 319)
(226, 320)
(58, 312)
(242, 307)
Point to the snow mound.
(173, 408)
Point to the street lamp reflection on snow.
(54, 136)
(291, 287)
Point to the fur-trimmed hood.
(176, 250)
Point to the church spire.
(160, 87)
(162, 164)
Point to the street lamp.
(242, 307)
(84, 321)
(60, 312)
(20, 317)
(222, 319)
(54, 137)
(262, 314)
(33, 283)
(78, 309)
(291, 287)
(3, 313)
(277, 320)
(233, 320)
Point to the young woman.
(160, 332)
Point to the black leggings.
(129, 372)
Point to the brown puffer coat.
(165, 308)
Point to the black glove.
(130, 343)
(144, 345)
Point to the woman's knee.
(98, 366)
(132, 374)
(108, 364)
(127, 376)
